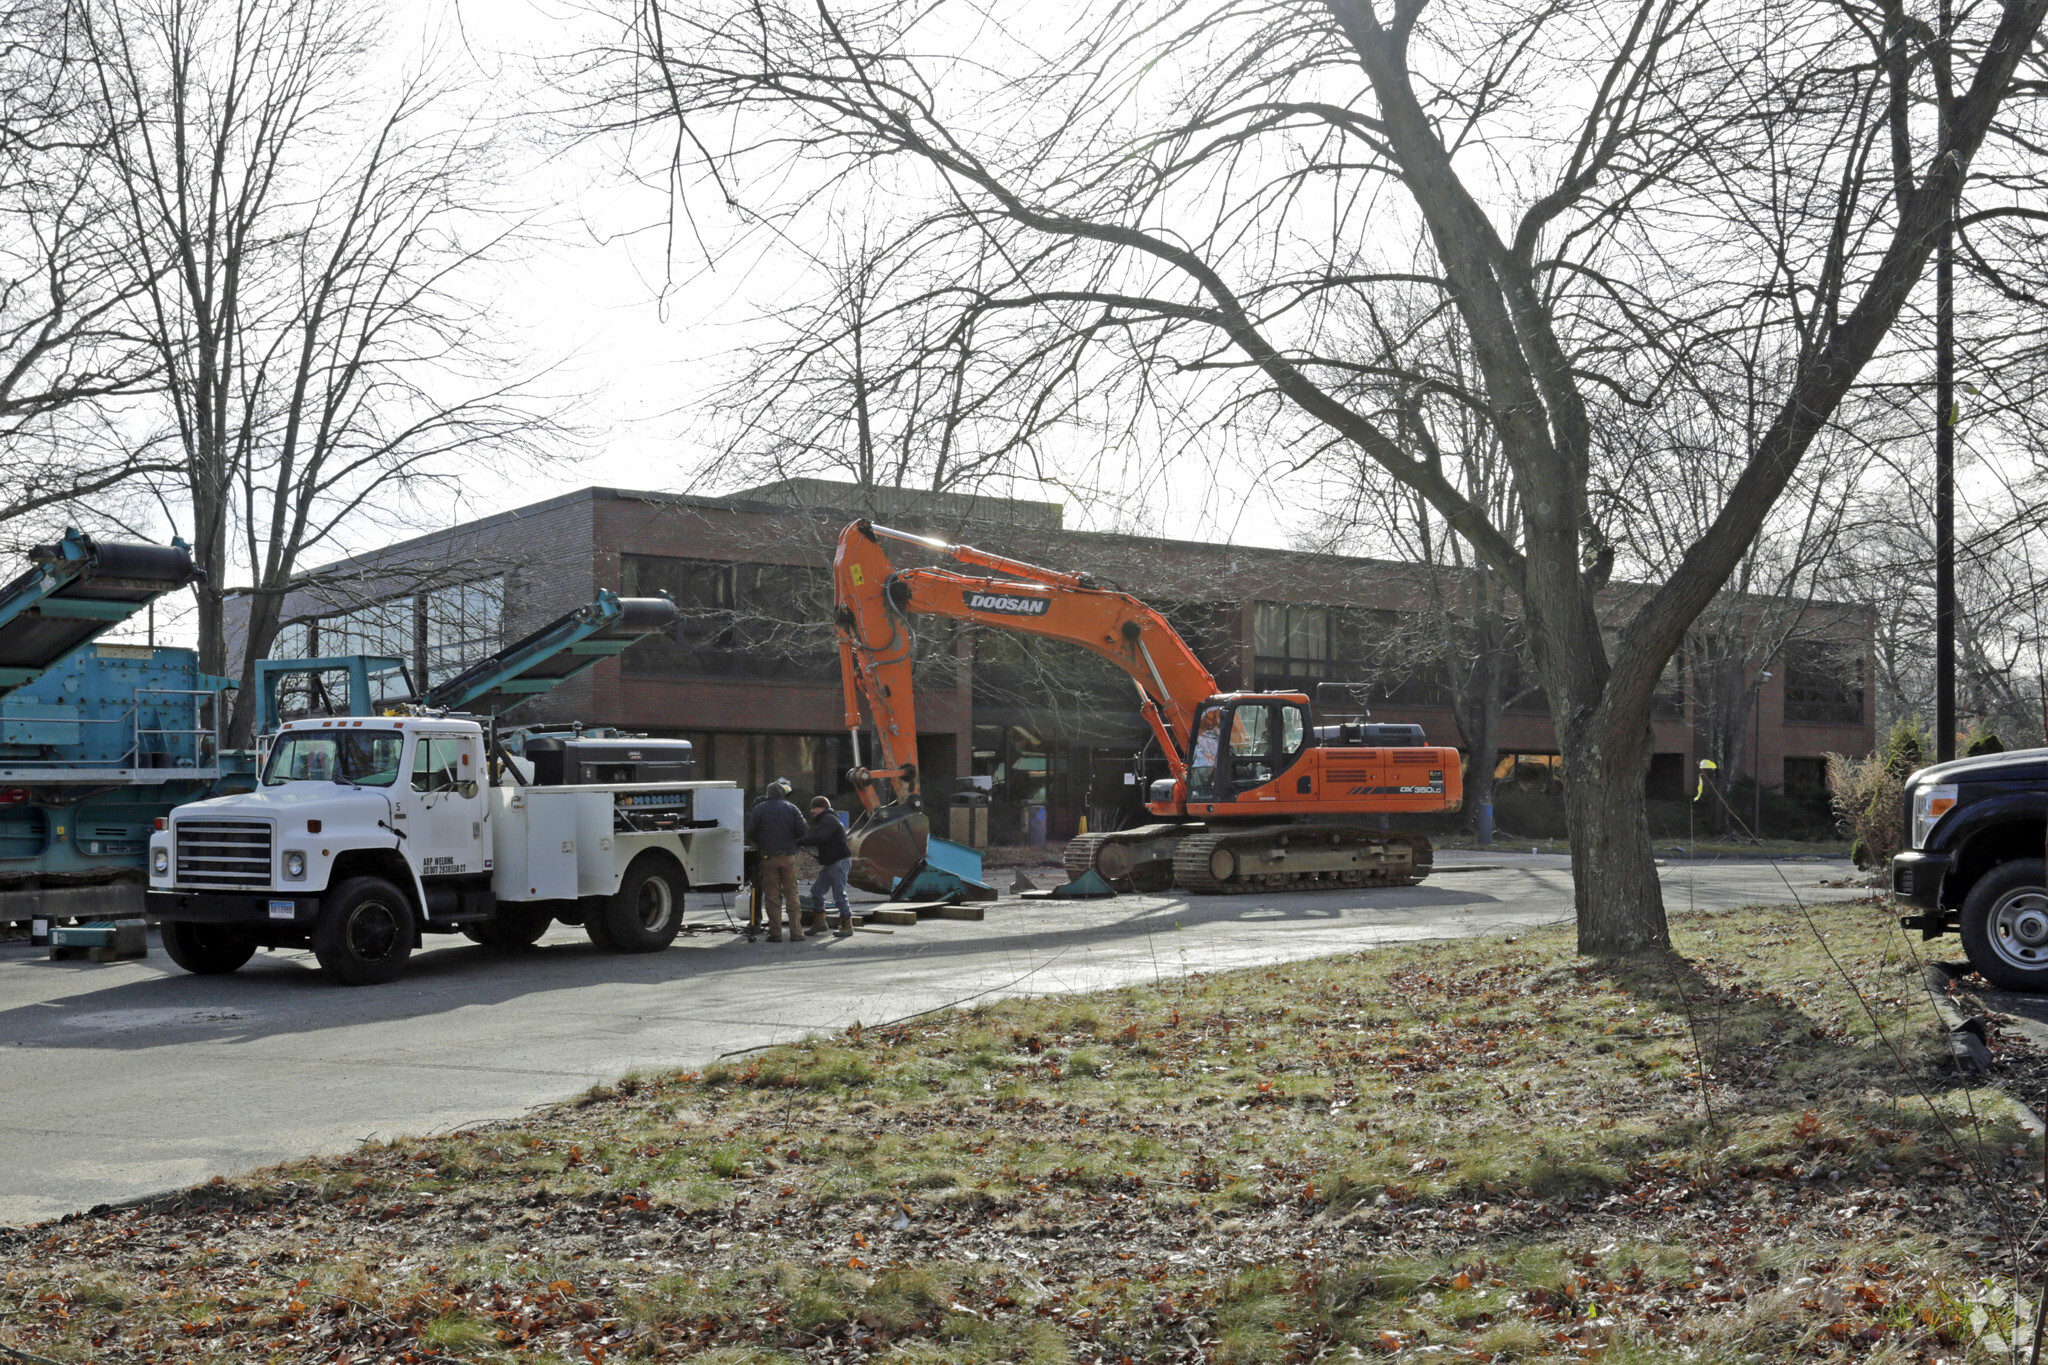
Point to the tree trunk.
(1479, 727)
(264, 608)
(1620, 902)
(208, 593)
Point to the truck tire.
(206, 949)
(597, 923)
(512, 927)
(364, 933)
(646, 912)
(2005, 925)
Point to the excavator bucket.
(886, 845)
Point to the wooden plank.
(890, 914)
(966, 912)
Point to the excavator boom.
(877, 646)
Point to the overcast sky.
(645, 334)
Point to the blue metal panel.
(87, 710)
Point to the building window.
(1291, 644)
(1297, 647)
(736, 620)
(1806, 776)
(1823, 684)
(1209, 629)
(437, 633)
(434, 635)
(384, 628)
(464, 624)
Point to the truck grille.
(222, 852)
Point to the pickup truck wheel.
(206, 949)
(513, 926)
(364, 933)
(2005, 925)
(646, 912)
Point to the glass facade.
(462, 626)
(437, 634)
(1296, 647)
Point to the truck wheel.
(646, 912)
(597, 923)
(2005, 925)
(364, 933)
(513, 926)
(206, 949)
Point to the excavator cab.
(1243, 743)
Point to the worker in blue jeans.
(827, 843)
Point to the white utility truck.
(366, 832)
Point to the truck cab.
(364, 833)
(1973, 862)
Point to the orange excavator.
(1262, 797)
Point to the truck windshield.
(366, 757)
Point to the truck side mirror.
(467, 788)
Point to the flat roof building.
(751, 674)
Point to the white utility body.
(366, 832)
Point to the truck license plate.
(284, 909)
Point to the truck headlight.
(1930, 803)
(294, 865)
(160, 862)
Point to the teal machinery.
(96, 740)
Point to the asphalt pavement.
(131, 1078)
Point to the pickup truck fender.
(1979, 836)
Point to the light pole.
(1945, 436)
(1756, 757)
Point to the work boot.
(796, 935)
(845, 929)
(775, 936)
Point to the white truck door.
(448, 831)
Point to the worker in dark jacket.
(775, 827)
(827, 842)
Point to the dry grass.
(1481, 1150)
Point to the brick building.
(751, 674)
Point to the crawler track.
(1080, 855)
(1227, 862)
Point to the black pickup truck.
(1973, 863)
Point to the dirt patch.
(1481, 1150)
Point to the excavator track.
(1298, 858)
(1139, 859)
(1080, 855)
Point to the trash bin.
(1034, 826)
(967, 819)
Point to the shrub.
(1868, 793)
(1982, 742)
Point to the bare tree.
(1600, 193)
(318, 249)
(878, 381)
(67, 349)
